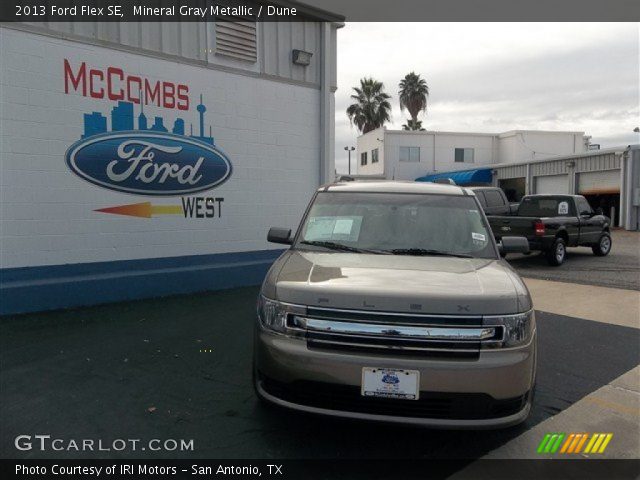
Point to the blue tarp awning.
(482, 175)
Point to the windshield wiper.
(341, 246)
(427, 252)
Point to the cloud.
(499, 77)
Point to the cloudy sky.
(498, 77)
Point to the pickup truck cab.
(551, 223)
(493, 201)
(392, 304)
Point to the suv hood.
(397, 283)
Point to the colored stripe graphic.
(543, 443)
(547, 448)
(606, 442)
(591, 442)
(572, 443)
(584, 439)
(557, 444)
(598, 443)
(596, 446)
(567, 443)
(550, 443)
(145, 209)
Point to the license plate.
(390, 383)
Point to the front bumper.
(491, 391)
(444, 423)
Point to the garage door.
(591, 183)
(552, 184)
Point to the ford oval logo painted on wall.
(149, 163)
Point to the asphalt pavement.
(619, 269)
(180, 368)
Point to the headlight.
(518, 329)
(273, 315)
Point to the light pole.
(349, 150)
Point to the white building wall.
(523, 146)
(507, 149)
(446, 144)
(437, 149)
(367, 143)
(196, 41)
(437, 152)
(269, 130)
(398, 170)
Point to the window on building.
(464, 155)
(237, 40)
(363, 158)
(409, 154)
(374, 155)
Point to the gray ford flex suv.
(393, 304)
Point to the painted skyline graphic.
(123, 119)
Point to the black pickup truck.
(553, 222)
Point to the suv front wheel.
(557, 253)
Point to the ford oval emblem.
(390, 378)
(149, 163)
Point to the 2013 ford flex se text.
(393, 304)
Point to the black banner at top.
(161, 11)
(317, 10)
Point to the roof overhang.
(463, 177)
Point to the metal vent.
(237, 40)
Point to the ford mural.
(148, 161)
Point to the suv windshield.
(400, 224)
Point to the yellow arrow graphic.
(166, 210)
(145, 209)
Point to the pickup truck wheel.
(603, 247)
(557, 253)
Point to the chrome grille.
(407, 334)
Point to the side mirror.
(599, 211)
(514, 245)
(279, 235)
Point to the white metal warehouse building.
(148, 159)
(521, 162)
(609, 179)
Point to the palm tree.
(371, 109)
(413, 96)
(411, 125)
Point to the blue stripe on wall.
(32, 289)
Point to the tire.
(557, 253)
(603, 247)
